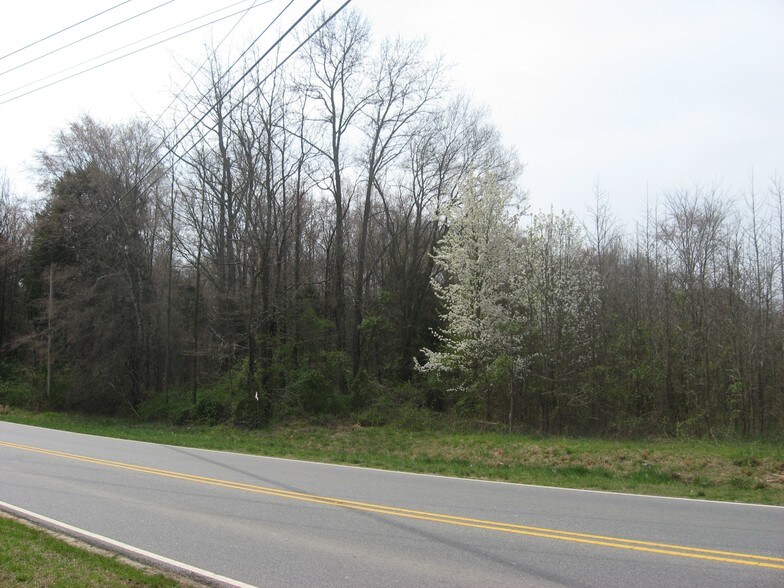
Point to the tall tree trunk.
(170, 261)
(359, 286)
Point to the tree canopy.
(345, 235)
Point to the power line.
(103, 30)
(68, 28)
(162, 143)
(256, 40)
(130, 53)
(170, 150)
(215, 49)
(228, 70)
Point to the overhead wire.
(261, 81)
(203, 95)
(248, 71)
(161, 144)
(253, 43)
(128, 54)
(213, 52)
(228, 70)
(91, 35)
(68, 28)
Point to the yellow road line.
(776, 563)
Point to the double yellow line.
(746, 559)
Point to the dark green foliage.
(18, 387)
(25, 387)
(90, 235)
(210, 411)
(312, 391)
(177, 409)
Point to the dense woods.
(344, 234)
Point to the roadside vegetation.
(361, 281)
(420, 441)
(299, 255)
(32, 557)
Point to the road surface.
(274, 522)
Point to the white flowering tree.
(477, 263)
(518, 304)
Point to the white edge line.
(129, 551)
(421, 474)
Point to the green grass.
(743, 471)
(31, 557)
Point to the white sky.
(631, 93)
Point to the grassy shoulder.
(32, 557)
(737, 470)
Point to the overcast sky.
(636, 95)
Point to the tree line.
(344, 234)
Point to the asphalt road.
(274, 522)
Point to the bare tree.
(336, 84)
(13, 241)
(403, 85)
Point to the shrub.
(313, 391)
(17, 387)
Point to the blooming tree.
(477, 262)
(517, 303)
